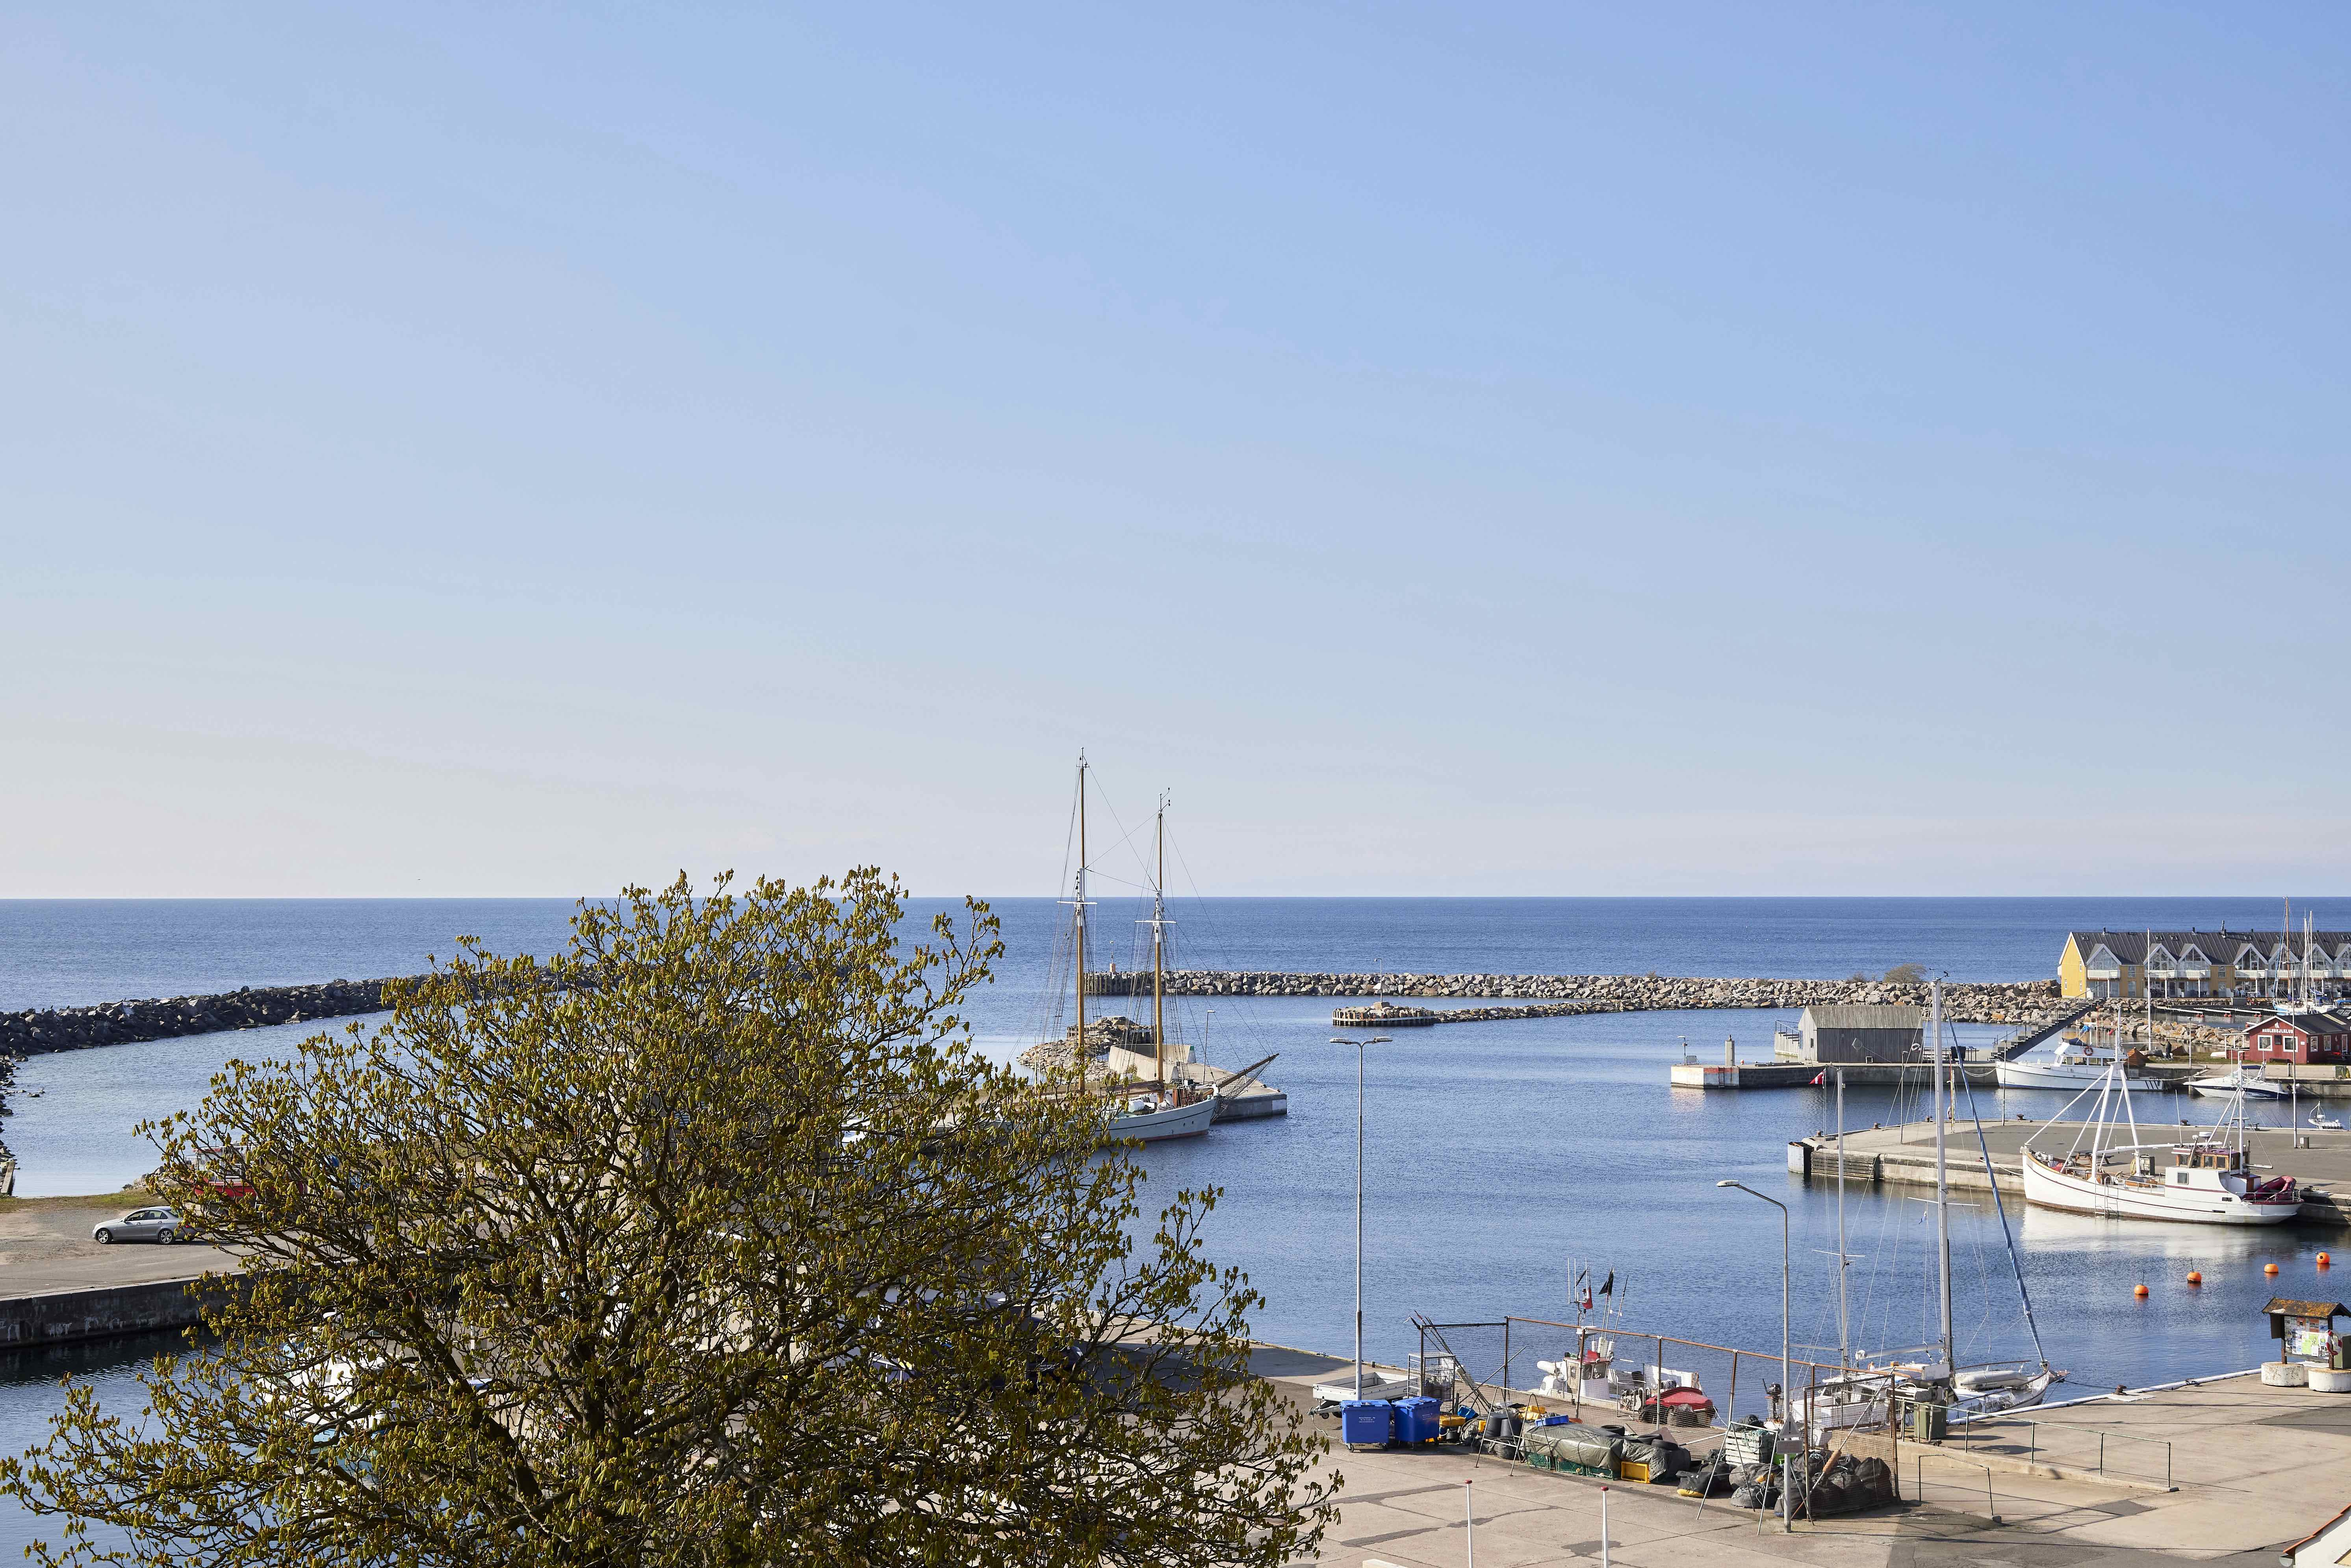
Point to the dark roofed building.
(1862, 1032)
(2188, 964)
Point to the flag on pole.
(1820, 1077)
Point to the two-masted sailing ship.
(1162, 1106)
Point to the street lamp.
(1787, 1402)
(1359, 1044)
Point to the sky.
(1453, 449)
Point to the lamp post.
(1359, 1044)
(1787, 1403)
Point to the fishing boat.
(1874, 1385)
(1140, 1111)
(2069, 1066)
(2203, 1180)
(2320, 1119)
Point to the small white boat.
(1153, 1118)
(2239, 1080)
(2071, 1067)
(2320, 1119)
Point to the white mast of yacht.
(1943, 1176)
(1080, 906)
(1158, 948)
(1845, 1335)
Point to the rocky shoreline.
(1963, 1001)
(34, 1033)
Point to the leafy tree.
(1906, 975)
(709, 1242)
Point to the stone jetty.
(128, 1022)
(1963, 1003)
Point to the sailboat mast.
(1158, 926)
(1082, 908)
(1942, 1175)
(1844, 1337)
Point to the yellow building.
(2220, 963)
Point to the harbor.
(2193, 1472)
(1470, 1204)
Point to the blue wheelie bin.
(1366, 1423)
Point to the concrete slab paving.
(46, 1247)
(2256, 1468)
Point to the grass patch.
(128, 1197)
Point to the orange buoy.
(2324, 1259)
(2194, 1278)
(2269, 1267)
(2139, 1290)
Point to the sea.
(1507, 1167)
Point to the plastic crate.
(1538, 1461)
(1569, 1467)
(1634, 1470)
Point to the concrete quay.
(58, 1286)
(1905, 1155)
(2079, 1485)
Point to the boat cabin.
(2303, 1037)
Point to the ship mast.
(1158, 927)
(1943, 1183)
(1080, 906)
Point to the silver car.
(139, 1224)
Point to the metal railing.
(1918, 1482)
(1985, 1432)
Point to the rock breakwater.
(164, 1018)
(1963, 1003)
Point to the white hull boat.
(2139, 1188)
(2251, 1086)
(1153, 1119)
(2061, 1073)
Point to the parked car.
(160, 1225)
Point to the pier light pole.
(1787, 1400)
(1359, 1044)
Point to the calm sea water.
(1499, 1156)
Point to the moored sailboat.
(1161, 1108)
(1874, 1385)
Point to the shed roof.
(1866, 1015)
(2283, 1307)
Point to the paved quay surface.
(45, 1247)
(2256, 1468)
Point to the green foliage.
(709, 1242)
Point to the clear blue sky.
(1507, 449)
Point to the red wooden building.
(2299, 1036)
